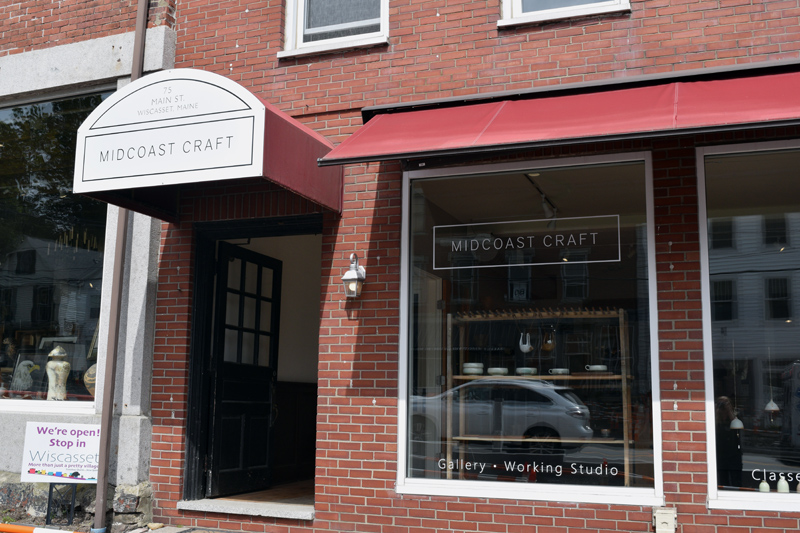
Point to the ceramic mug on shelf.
(596, 368)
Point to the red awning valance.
(613, 113)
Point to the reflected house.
(753, 277)
(50, 295)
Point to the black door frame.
(206, 234)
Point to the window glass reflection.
(529, 327)
(51, 256)
(754, 335)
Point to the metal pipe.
(120, 245)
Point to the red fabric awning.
(615, 113)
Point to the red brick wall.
(356, 438)
(38, 24)
(454, 48)
(436, 49)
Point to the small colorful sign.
(60, 453)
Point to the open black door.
(244, 365)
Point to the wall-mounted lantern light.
(354, 278)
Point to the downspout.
(121, 243)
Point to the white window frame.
(294, 45)
(13, 405)
(516, 491)
(731, 500)
(513, 15)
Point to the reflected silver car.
(491, 410)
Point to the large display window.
(51, 256)
(529, 337)
(751, 201)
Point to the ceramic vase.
(90, 378)
(57, 372)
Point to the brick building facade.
(368, 369)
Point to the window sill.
(44, 406)
(548, 493)
(273, 510)
(755, 501)
(559, 14)
(334, 46)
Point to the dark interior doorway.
(252, 392)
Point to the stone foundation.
(131, 504)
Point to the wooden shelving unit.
(457, 326)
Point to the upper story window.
(778, 298)
(314, 26)
(723, 300)
(720, 233)
(523, 11)
(775, 231)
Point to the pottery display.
(472, 369)
(58, 369)
(90, 378)
(525, 346)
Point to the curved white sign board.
(171, 127)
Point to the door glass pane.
(249, 318)
(251, 278)
(266, 316)
(266, 282)
(234, 273)
(232, 310)
(248, 348)
(263, 350)
(231, 346)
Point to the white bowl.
(473, 371)
(472, 364)
(559, 371)
(526, 371)
(497, 371)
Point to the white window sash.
(295, 27)
(513, 15)
(717, 499)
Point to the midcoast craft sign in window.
(529, 347)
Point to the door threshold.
(296, 511)
(293, 501)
